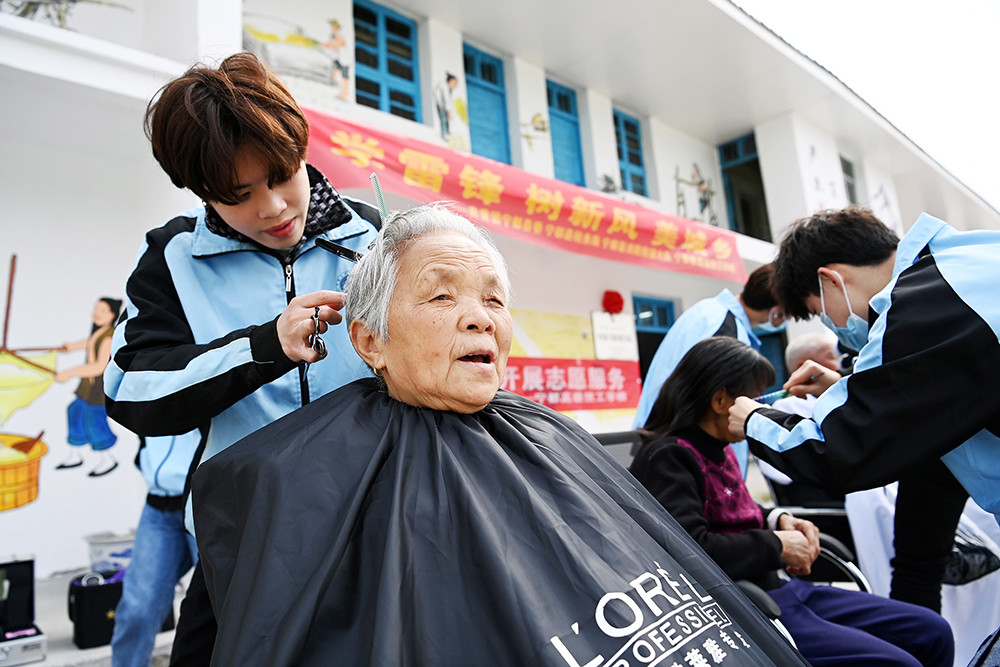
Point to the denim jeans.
(161, 553)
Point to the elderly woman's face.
(449, 327)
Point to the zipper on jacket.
(289, 295)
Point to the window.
(653, 318)
(629, 139)
(564, 128)
(487, 104)
(385, 51)
(744, 188)
(847, 167)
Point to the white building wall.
(822, 176)
(800, 169)
(80, 189)
(881, 196)
(218, 26)
(780, 171)
(531, 148)
(597, 134)
(183, 30)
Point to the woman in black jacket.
(687, 464)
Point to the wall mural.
(25, 374)
(703, 190)
(290, 51)
(55, 12)
(452, 113)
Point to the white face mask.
(855, 334)
(775, 323)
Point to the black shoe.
(67, 466)
(95, 473)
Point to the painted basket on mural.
(19, 469)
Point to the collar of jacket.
(327, 211)
(915, 240)
(733, 305)
(712, 448)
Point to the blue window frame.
(741, 179)
(386, 68)
(629, 138)
(564, 128)
(487, 93)
(653, 318)
(653, 315)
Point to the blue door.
(487, 105)
(564, 124)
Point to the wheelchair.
(835, 566)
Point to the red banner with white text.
(510, 201)
(575, 384)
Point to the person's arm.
(674, 478)
(912, 395)
(92, 369)
(76, 345)
(810, 378)
(159, 381)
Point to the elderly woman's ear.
(367, 345)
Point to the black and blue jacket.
(925, 385)
(199, 348)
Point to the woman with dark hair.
(687, 464)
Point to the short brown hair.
(198, 122)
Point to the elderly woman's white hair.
(808, 346)
(371, 283)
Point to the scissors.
(315, 342)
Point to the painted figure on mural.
(706, 212)
(705, 192)
(444, 103)
(87, 419)
(341, 65)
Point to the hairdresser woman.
(425, 517)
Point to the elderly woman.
(426, 517)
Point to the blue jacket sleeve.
(160, 381)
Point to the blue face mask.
(769, 327)
(855, 334)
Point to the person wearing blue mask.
(747, 317)
(924, 314)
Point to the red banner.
(515, 203)
(575, 384)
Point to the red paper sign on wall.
(575, 384)
(518, 204)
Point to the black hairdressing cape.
(359, 530)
